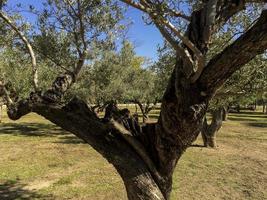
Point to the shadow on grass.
(40, 130)
(248, 113)
(11, 190)
(70, 139)
(240, 118)
(258, 124)
(31, 129)
(248, 116)
(197, 145)
(156, 116)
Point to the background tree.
(155, 149)
(244, 86)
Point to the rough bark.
(179, 123)
(209, 131)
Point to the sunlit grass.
(41, 161)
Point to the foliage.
(116, 76)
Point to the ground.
(41, 161)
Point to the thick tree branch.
(228, 8)
(244, 49)
(28, 46)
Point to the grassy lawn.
(38, 160)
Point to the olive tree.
(146, 159)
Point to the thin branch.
(167, 10)
(167, 23)
(80, 36)
(174, 43)
(51, 59)
(185, 40)
(176, 13)
(137, 5)
(160, 22)
(82, 28)
(28, 46)
(199, 61)
(71, 6)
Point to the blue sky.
(145, 38)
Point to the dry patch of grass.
(41, 161)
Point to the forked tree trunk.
(145, 109)
(209, 131)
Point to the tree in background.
(243, 87)
(145, 157)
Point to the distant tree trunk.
(142, 109)
(225, 113)
(238, 108)
(1, 112)
(264, 107)
(145, 109)
(255, 105)
(209, 131)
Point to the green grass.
(38, 160)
